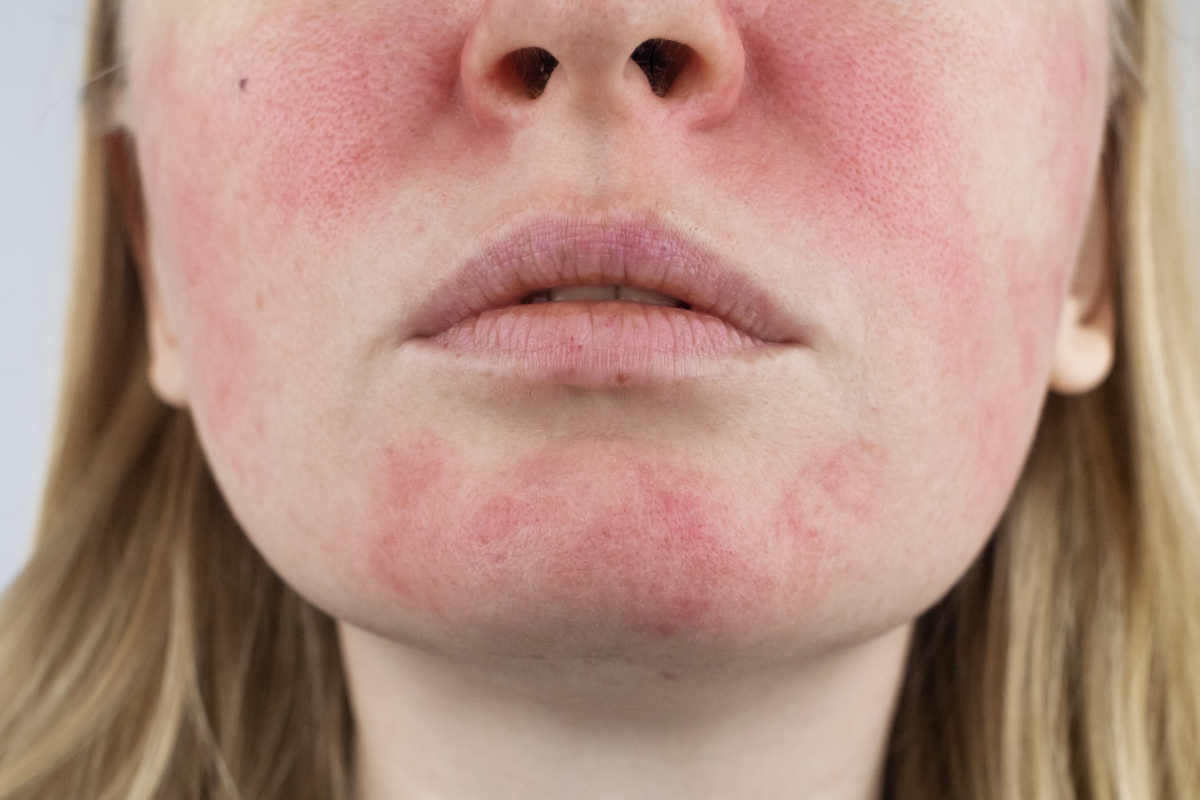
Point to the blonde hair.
(147, 650)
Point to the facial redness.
(606, 541)
(266, 135)
(904, 143)
(911, 179)
(298, 114)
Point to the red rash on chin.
(649, 547)
(612, 540)
(579, 538)
(412, 475)
(558, 539)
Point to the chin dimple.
(602, 293)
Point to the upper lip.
(644, 253)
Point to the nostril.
(528, 69)
(663, 61)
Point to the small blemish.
(258, 301)
(243, 83)
(667, 674)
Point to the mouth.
(601, 302)
(556, 259)
(600, 294)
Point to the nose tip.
(604, 57)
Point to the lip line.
(540, 252)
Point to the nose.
(605, 58)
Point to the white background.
(40, 57)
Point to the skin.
(693, 589)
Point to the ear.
(1083, 356)
(166, 366)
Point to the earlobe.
(166, 368)
(1084, 352)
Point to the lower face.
(912, 182)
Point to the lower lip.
(598, 344)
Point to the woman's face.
(873, 207)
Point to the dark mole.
(242, 83)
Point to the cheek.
(309, 112)
(933, 174)
(939, 169)
(351, 107)
(263, 150)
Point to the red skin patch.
(350, 102)
(612, 538)
(637, 544)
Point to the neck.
(432, 726)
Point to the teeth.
(643, 296)
(602, 293)
(584, 293)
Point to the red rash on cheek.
(847, 484)
(312, 112)
(900, 138)
(412, 476)
(341, 109)
(858, 112)
(943, 167)
(260, 146)
(867, 156)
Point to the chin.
(610, 551)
